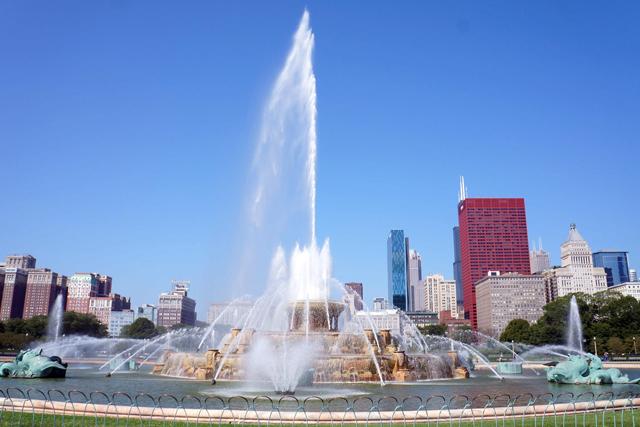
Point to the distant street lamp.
(595, 345)
(635, 350)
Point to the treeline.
(17, 334)
(609, 320)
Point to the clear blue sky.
(127, 128)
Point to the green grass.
(628, 418)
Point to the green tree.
(82, 324)
(615, 345)
(517, 330)
(141, 328)
(433, 329)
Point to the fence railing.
(23, 407)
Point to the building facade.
(457, 264)
(576, 273)
(440, 294)
(356, 290)
(81, 288)
(631, 289)
(493, 237)
(416, 290)
(176, 307)
(20, 261)
(104, 306)
(633, 275)
(398, 270)
(13, 292)
(383, 319)
(149, 312)
(615, 266)
(118, 320)
(380, 304)
(42, 290)
(502, 298)
(539, 259)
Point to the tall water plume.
(574, 326)
(54, 323)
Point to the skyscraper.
(493, 237)
(457, 264)
(615, 264)
(440, 294)
(539, 259)
(633, 275)
(415, 281)
(577, 273)
(397, 269)
(176, 307)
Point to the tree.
(615, 345)
(433, 329)
(82, 324)
(141, 328)
(517, 330)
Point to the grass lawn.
(630, 418)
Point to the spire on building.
(462, 191)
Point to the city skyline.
(147, 159)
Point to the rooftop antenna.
(462, 192)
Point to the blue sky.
(127, 129)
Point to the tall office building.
(457, 264)
(20, 261)
(354, 289)
(502, 298)
(539, 259)
(493, 237)
(13, 293)
(440, 295)
(81, 287)
(633, 275)
(104, 306)
(149, 312)
(398, 270)
(176, 307)
(415, 281)
(576, 273)
(43, 287)
(615, 264)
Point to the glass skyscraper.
(397, 269)
(615, 265)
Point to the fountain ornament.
(582, 368)
(32, 364)
(303, 329)
(586, 369)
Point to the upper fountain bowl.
(315, 315)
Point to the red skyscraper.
(493, 237)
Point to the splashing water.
(54, 325)
(574, 326)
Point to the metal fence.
(56, 407)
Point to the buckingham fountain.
(302, 329)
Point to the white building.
(633, 275)
(148, 311)
(539, 259)
(415, 280)
(501, 298)
(440, 294)
(631, 289)
(118, 320)
(379, 304)
(577, 273)
(384, 319)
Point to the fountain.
(300, 330)
(574, 326)
(54, 326)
